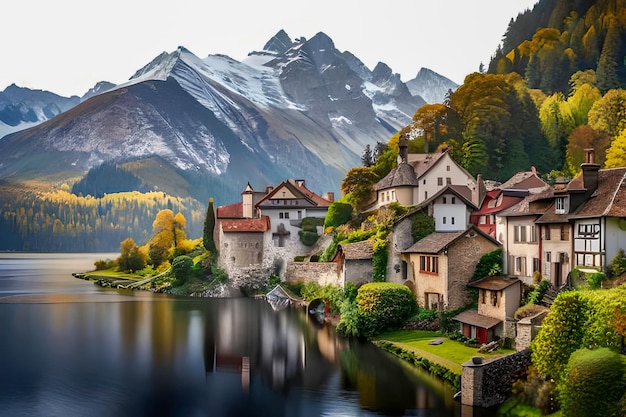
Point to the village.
(545, 231)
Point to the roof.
(609, 199)
(535, 203)
(259, 225)
(298, 189)
(473, 318)
(524, 181)
(495, 283)
(358, 250)
(461, 191)
(402, 175)
(422, 162)
(438, 241)
(231, 211)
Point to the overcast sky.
(67, 46)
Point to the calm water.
(71, 348)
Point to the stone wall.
(527, 329)
(324, 273)
(489, 383)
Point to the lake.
(71, 348)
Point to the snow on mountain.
(431, 86)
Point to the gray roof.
(358, 250)
(434, 242)
(402, 175)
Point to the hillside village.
(541, 229)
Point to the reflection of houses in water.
(273, 348)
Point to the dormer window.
(560, 204)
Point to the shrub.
(594, 384)
(338, 214)
(181, 268)
(536, 295)
(535, 391)
(102, 264)
(384, 305)
(561, 334)
(618, 264)
(528, 310)
(595, 280)
(308, 238)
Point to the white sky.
(67, 46)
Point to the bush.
(618, 264)
(536, 295)
(308, 238)
(181, 268)
(528, 310)
(594, 384)
(384, 305)
(102, 264)
(595, 280)
(338, 214)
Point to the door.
(481, 335)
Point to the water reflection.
(148, 355)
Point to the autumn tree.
(581, 138)
(357, 186)
(609, 113)
(616, 154)
(131, 258)
(168, 230)
(429, 118)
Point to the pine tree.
(209, 227)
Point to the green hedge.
(384, 305)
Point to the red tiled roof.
(231, 211)
(259, 225)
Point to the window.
(447, 167)
(560, 205)
(283, 215)
(444, 220)
(425, 195)
(429, 264)
(519, 234)
(448, 180)
(452, 220)
(564, 232)
(453, 200)
(533, 234)
(444, 199)
(523, 234)
(439, 180)
(483, 220)
(589, 230)
(424, 182)
(494, 298)
(546, 230)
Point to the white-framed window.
(482, 220)
(560, 204)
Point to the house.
(498, 299)
(517, 231)
(440, 266)
(450, 209)
(502, 196)
(355, 262)
(261, 231)
(418, 177)
(591, 214)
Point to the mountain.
(431, 86)
(21, 108)
(205, 127)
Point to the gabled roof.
(495, 283)
(533, 204)
(437, 242)
(422, 162)
(524, 180)
(358, 250)
(299, 190)
(461, 191)
(259, 225)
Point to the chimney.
(403, 149)
(330, 196)
(300, 183)
(269, 189)
(590, 172)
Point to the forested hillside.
(61, 221)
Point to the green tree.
(607, 71)
(338, 213)
(209, 230)
(561, 334)
(181, 268)
(367, 158)
(593, 384)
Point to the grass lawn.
(450, 353)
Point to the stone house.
(440, 266)
(354, 262)
(260, 233)
(498, 299)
